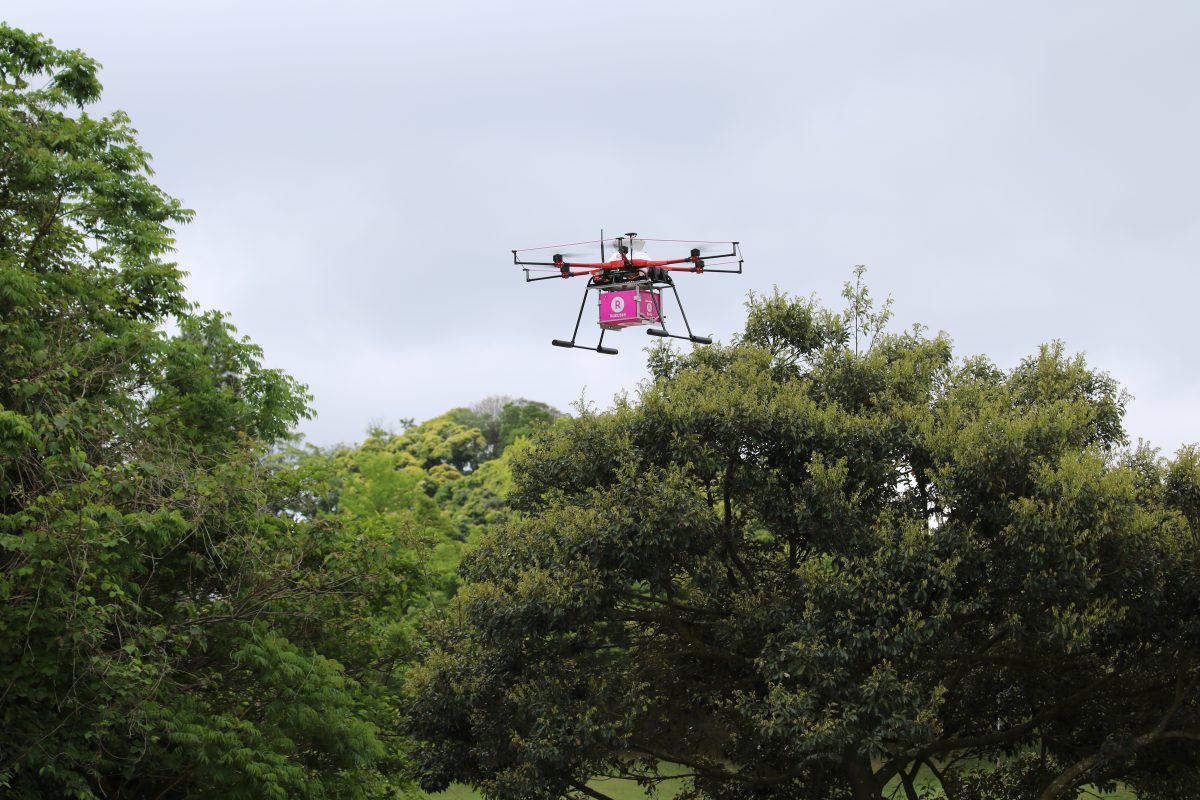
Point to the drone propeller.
(574, 259)
(701, 253)
(636, 247)
(695, 248)
(572, 256)
(616, 248)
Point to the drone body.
(629, 285)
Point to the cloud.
(1011, 173)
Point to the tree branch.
(1074, 773)
(589, 791)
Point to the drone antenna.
(602, 245)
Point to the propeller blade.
(676, 248)
(570, 256)
(710, 249)
(613, 245)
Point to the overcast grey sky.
(1010, 173)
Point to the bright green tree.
(441, 441)
(478, 501)
(828, 561)
(444, 481)
(167, 627)
(382, 480)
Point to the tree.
(384, 485)
(477, 502)
(502, 420)
(166, 628)
(805, 566)
(443, 481)
(441, 441)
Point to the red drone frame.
(629, 285)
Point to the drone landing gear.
(608, 351)
(599, 348)
(691, 337)
(661, 332)
(696, 339)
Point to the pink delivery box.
(626, 307)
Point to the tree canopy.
(168, 626)
(819, 561)
(446, 479)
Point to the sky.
(1010, 173)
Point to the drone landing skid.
(691, 337)
(599, 348)
(696, 339)
(612, 351)
(608, 351)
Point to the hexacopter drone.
(629, 285)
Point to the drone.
(629, 285)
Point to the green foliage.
(440, 441)
(383, 487)
(503, 420)
(807, 566)
(168, 625)
(214, 389)
(1020, 776)
(444, 480)
(478, 500)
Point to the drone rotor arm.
(662, 262)
(588, 265)
(562, 273)
(541, 277)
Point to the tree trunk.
(862, 778)
(906, 778)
